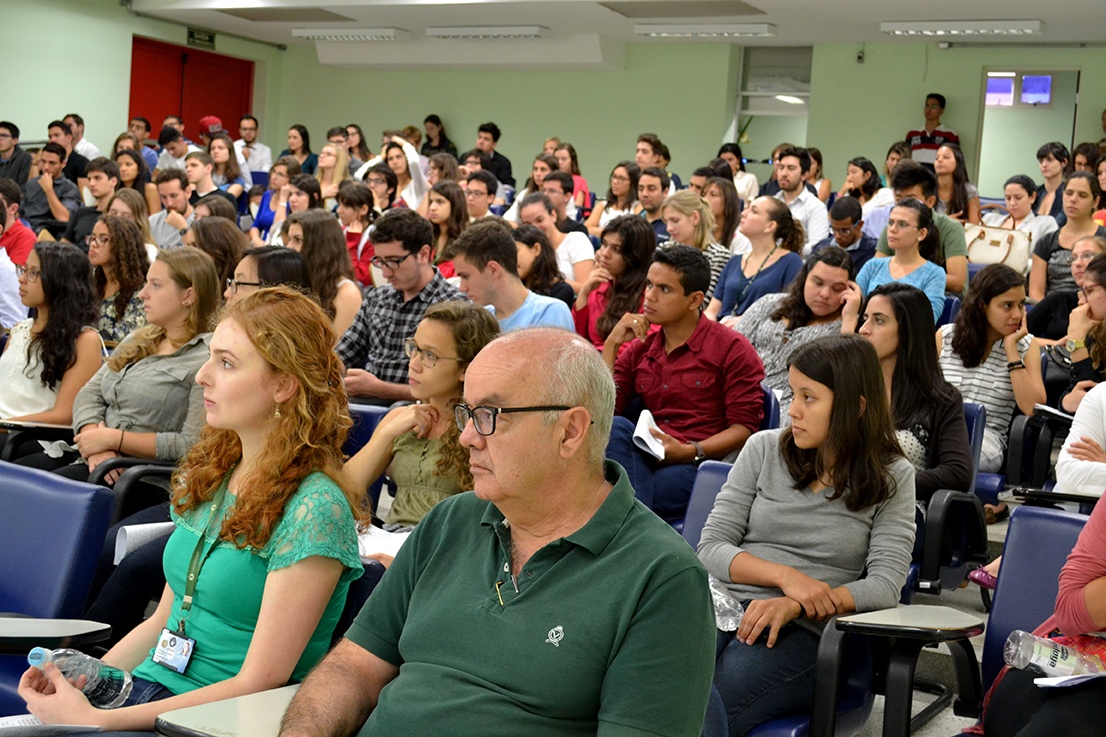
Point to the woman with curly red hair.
(265, 544)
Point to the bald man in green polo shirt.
(548, 601)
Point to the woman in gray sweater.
(806, 512)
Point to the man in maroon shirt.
(700, 380)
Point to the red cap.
(210, 124)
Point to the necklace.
(750, 280)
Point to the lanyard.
(199, 556)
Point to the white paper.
(133, 537)
(1063, 681)
(375, 540)
(26, 725)
(644, 439)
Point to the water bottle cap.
(39, 657)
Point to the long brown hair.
(860, 442)
(188, 268)
(324, 253)
(458, 219)
(294, 338)
(127, 262)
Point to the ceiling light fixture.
(723, 30)
(790, 100)
(1002, 74)
(351, 34)
(483, 32)
(964, 28)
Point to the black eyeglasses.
(233, 284)
(483, 417)
(389, 263)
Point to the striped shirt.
(987, 384)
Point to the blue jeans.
(758, 684)
(664, 489)
(142, 692)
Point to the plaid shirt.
(375, 339)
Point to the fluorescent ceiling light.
(789, 99)
(1002, 74)
(486, 32)
(963, 28)
(351, 34)
(705, 30)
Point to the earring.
(276, 413)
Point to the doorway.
(177, 80)
(1023, 109)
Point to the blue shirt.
(537, 310)
(929, 277)
(736, 297)
(660, 229)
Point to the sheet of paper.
(26, 725)
(644, 439)
(376, 540)
(1064, 681)
(133, 537)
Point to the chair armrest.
(136, 470)
(20, 634)
(947, 507)
(102, 470)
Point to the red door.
(177, 80)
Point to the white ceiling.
(593, 33)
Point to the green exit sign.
(201, 39)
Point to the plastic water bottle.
(1026, 651)
(727, 610)
(106, 687)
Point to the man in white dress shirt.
(792, 164)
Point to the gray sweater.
(759, 512)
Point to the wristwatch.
(700, 456)
(183, 231)
(1074, 345)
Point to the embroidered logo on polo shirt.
(556, 635)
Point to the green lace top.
(317, 522)
(418, 485)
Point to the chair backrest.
(950, 311)
(358, 594)
(708, 482)
(260, 178)
(976, 416)
(51, 532)
(1037, 545)
(771, 419)
(366, 417)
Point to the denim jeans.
(664, 489)
(758, 683)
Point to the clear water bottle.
(106, 687)
(727, 610)
(1026, 651)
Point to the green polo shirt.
(953, 242)
(611, 631)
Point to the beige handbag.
(990, 244)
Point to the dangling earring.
(276, 413)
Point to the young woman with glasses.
(119, 261)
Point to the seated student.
(700, 380)
(621, 198)
(61, 133)
(403, 160)
(814, 520)
(1019, 193)
(557, 186)
(143, 401)
(12, 309)
(913, 181)
(616, 284)
(568, 163)
(988, 354)
(538, 267)
(745, 182)
(477, 160)
(134, 174)
(332, 173)
(956, 196)
(299, 148)
(50, 356)
(1049, 319)
(226, 172)
(18, 239)
(198, 166)
(479, 193)
(486, 260)
(372, 347)
(772, 262)
(448, 216)
(119, 265)
(103, 180)
(264, 484)
(318, 237)
(174, 147)
(1086, 339)
(915, 243)
(50, 199)
(653, 187)
(303, 194)
(222, 240)
(697, 182)
(419, 444)
(169, 226)
(1054, 161)
(863, 184)
(927, 410)
(721, 197)
(542, 167)
(689, 222)
(846, 218)
(214, 206)
(811, 308)
(792, 166)
(575, 254)
(274, 200)
(356, 215)
(1051, 269)
(130, 205)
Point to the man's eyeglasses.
(429, 359)
(391, 264)
(32, 275)
(233, 284)
(475, 193)
(483, 417)
(375, 180)
(845, 231)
